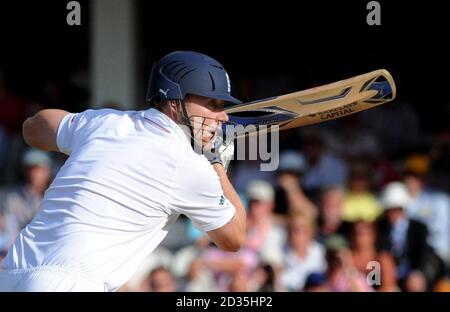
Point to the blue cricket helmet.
(183, 72)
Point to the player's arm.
(231, 236)
(40, 130)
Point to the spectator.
(188, 265)
(4, 239)
(264, 235)
(342, 275)
(303, 254)
(289, 194)
(330, 217)
(226, 266)
(406, 239)
(364, 251)
(324, 169)
(443, 285)
(264, 279)
(359, 202)
(240, 281)
(161, 279)
(21, 203)
(160, 257)
(315, 282)
(428, 206)
(198, 278)
(265, 239)
(16, 146)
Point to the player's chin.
(207, 143)
(208, 140)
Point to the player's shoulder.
(108, 113)
(96, 118)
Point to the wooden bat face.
(317, 104)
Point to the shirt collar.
(163, 121)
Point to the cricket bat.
(316, 105)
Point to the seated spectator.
(188, 265)
(264, 279)
(289, 194)
(265, 239)
(161, 279)
(427, 205)
(160, 257)
(198, 278)
(342, 275)
(360, 203)
(225, 266)
(316, 282)
(264, 236)
(240, 281)
(364, 251)
(4, 239)
(303, 255)
(443, 285)
(330, 216)
(21, 203)
(418, 265)
(183, 257)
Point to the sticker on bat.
(338, 112)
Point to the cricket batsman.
(128, 177)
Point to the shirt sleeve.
(199, 196)
(68, 128)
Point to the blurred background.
(371, 188)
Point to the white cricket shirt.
(129, 176)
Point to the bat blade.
(318, 104)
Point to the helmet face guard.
(180, 73)
(208, 135)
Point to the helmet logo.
(164, 92)
(228, 82)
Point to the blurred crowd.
(338, 234)
(358, 204)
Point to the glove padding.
(221, 153)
